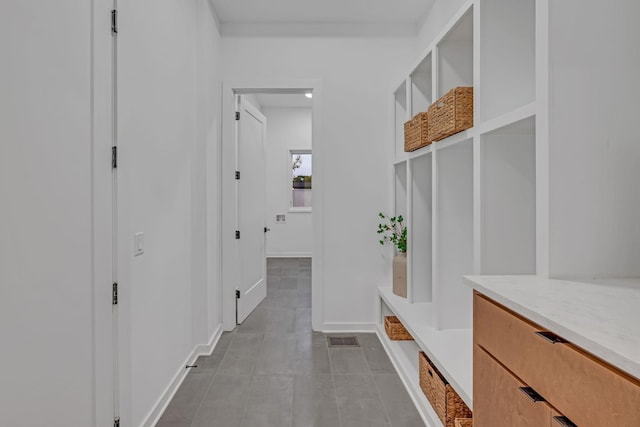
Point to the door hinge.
(114, 293)
(116, 422)
(237, 294)
(114, 157)
(237, 115)
(237, 174)
(114, 22)
(237, 234)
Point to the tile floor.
(273, 371)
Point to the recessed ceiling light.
(309, 95)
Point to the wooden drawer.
(498, 400)
(585, 389)
(559, 420)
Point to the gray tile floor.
(273, 371)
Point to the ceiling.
(271, 100)
(321, 17)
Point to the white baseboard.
(161, 404)
(289, 255)
(338, 327)
(207, 349)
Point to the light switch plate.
(138, 244)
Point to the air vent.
(343, 341)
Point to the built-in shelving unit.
(470, 199)
(544, 184)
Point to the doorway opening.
(290, 218)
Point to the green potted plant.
(392, 230)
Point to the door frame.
(102, 219)
(229, 261)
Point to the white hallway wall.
(168, 132)
(356, 75)
(46, 316)
(169, 188)
(287, 129)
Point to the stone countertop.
(601, 316)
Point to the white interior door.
(54, 230)
(252, 265)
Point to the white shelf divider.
(450, 350)
(457, 138)
(506, 119)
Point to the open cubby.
(400, 117)
(454, 242)
(401, 189)
(450, 350)
(509, 200)
(408, 348)
(507, 63)
(421, 223)
(455, 56)
(422, 86)
(405, 353)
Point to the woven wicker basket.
(416, 132)
(464, 422)
(451, 114)
(395, 329)
(446, 402)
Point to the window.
(301, 180)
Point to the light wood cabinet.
(499, 390)
(581, 387)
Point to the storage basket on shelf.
(464, 422)
(451, 114)
(396, 330)
(445, 401)
(416, 132)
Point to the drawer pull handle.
(430, 373)
(551, 337)
(532, 394)
(564, 422)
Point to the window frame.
(298, 209)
